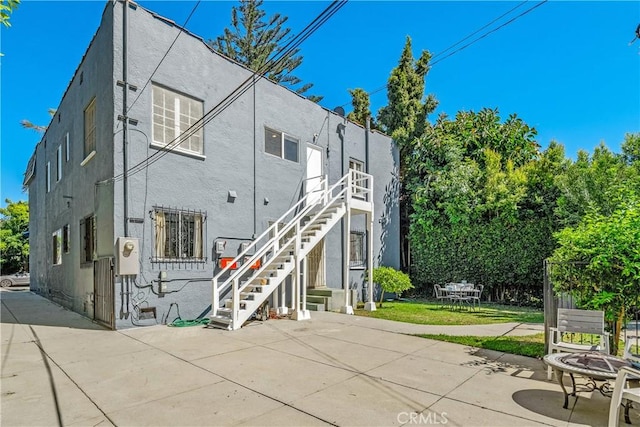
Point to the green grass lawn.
(530, 345)
(431, 313)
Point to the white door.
(314, 171)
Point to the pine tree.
(254, 39)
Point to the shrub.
(391, 280)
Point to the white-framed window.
(48, 177)
(179, 235)
(57, 247)
(173, 115)
(357, 255)
(87, 240)
(59, 163)
(67, 147)
(281, 145)
(90, 128)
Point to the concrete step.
(318, 299)
(323, 292)
(315, 307)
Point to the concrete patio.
(60, 368)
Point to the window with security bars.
(179, 235)
(173, 116)
(281, 145)
(357, 253)
(90, 128)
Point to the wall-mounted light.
(266, 201)
(231, 197)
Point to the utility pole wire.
(180, 31)
(379, 89)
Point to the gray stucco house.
(153, 197)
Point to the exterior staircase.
(277, 253)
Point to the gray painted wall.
(234, 159)
(74, 196)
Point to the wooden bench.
(583, 322)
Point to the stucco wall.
(73, 197)
(234, 160)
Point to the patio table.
(460, 293)
(595, 366)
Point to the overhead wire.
(431, 64)
(280, 55)
(181, 30)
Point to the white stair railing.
(283, 244)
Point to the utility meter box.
(127, 256)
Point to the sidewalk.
(59, 368)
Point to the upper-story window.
(90, 128)
(48, 177)
(67, 147)
(173, 114)
(280, 144)
(59, 163)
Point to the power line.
(379, 89)
(181, 30)
(277, 58)
(490, 32)
(479, 29)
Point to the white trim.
(48, 177)
(59, 163)
(67, 147)
(177, 150)
(90, 156)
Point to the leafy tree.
(254, 39)
(6, 8)
(14, 245)
(474, 185)
(631, 150)
(361, 108)
(587, 183)
(391, 280)
(605, 247)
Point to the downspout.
(342, 130)
(255, 206)
(125, 173)
(367, 129)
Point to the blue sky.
(565, 68)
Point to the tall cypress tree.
(253, 39)
(405, 119)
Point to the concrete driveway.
(59, 368)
